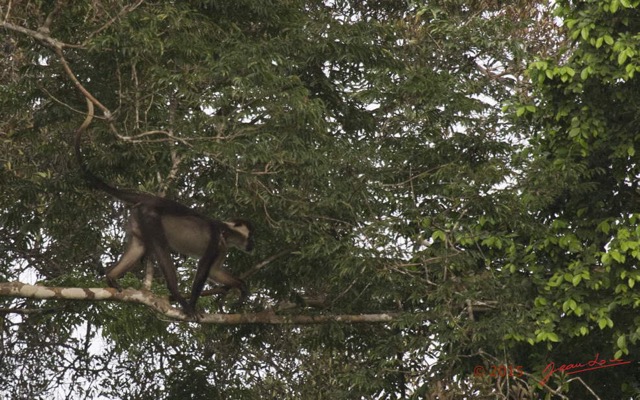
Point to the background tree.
(582, 186)
(375, 146)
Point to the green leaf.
(604, 227)
(602, 323)
(616, 255)
(613, 7)
(540, 301)
(630, 69)
(622, 342)
(584, 32)
(622, 57)
(599, 42)
(439, 235)
(585, 73)
(569, 305)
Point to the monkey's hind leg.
(133, 253)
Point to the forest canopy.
(444, 194)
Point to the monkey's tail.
(89, 176)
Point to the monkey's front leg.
(155, 241)
(113, 283)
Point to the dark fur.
(147, 235)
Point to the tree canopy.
(444, 196)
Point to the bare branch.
(6, 15)
(162, 306)
(41, 36)
(67, 69)
(46, 26)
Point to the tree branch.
(162, 306)
(57, 46)
(42, 36)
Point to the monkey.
(157, 225)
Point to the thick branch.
(42, 36)
(162, 306)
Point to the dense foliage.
(469, 167)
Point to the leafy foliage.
(586, 190)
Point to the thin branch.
(46, 26)
(67, 69)
(54, 98)
(125, 10)
(6, 15)
(169, 137)
(247, 274)
(585, 385)
(264, 263)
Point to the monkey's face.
(240, 235)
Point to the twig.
(107, 24)
(264, 263)
(6, 16)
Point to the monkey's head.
(240, 234)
